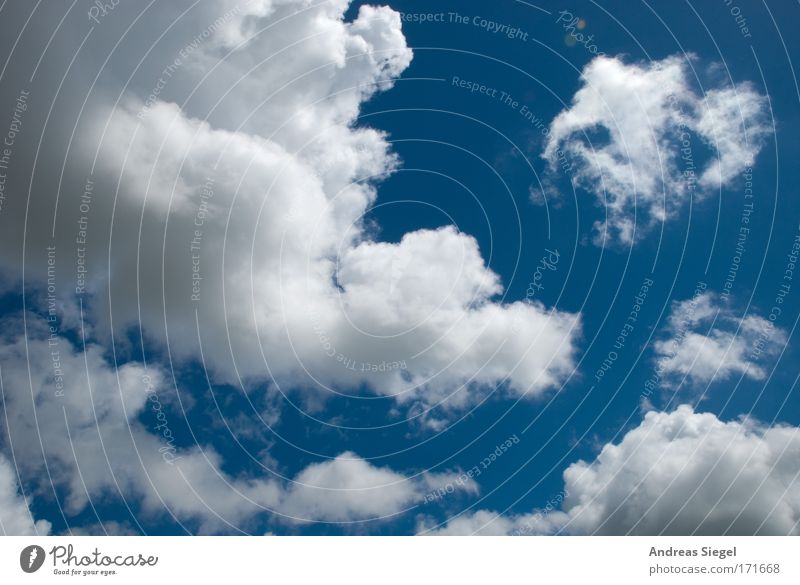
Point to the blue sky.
(517, 408)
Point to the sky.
(302, 267)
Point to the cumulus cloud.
(638, 134)
(15, 517)
(437, 308)
(214, 202)
(349, 487)
(95, 445)
(86, 414)
(704, 341)
(677, 473)
(230, 227)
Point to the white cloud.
(87, 415)
(676, 473)
(257, 185)
(657, 126)
(15, 517)
(437, 308)
(477, 523)
(348, 488)
(79, 414)
(705, 341)
(286, 281)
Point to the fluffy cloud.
(676, 473)
(429, 297)
(89, 418)
(477, 523)
(705, 341)
(230, 228)
(15, 517)
(637, 136)
(86, 412)
(349, 487)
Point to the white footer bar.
(390, 560)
